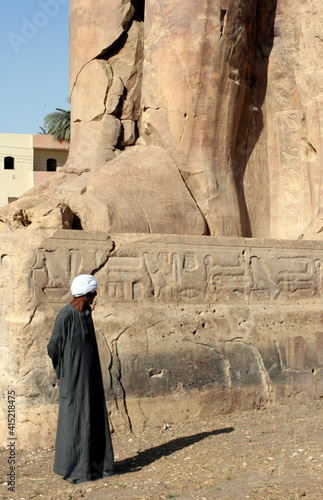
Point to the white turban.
(83, 284)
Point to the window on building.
(51, 165)
(9, 163)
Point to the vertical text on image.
(11, 475)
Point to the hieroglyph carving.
(167, 272)
(213, 274)
(291, 198)
(60, 259)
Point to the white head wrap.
(83, 284)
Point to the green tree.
(42, 131)
(58, 124)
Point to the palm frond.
(58, 124)
(43, 131)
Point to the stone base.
(186, 326)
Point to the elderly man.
(83, 443)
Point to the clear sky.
(34, 73)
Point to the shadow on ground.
(149, 455)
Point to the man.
(83, 443)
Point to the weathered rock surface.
(293, 122)
(230, 89)
(198, 101)
(105, 79)
(185, 325)
(133, 191)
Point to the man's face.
(90, 297)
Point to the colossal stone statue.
(214, 127)
(193, 69)
(200, 117)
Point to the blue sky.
(34, 74)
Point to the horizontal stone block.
(185, 325)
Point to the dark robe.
(83, 444)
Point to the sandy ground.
(274, 454)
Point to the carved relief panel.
(206, 273)
(173, 270)
(291, 174)
(63, 257)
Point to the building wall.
(44, 148)
(30, 153)
(42, 155)
(13, 183)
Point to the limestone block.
(52, 181)
(129, 132)
(58, 260)
(115, 93)
(93, 142)
(35, 207)
(129, 194)
(41, 212)
(127, 64)
(110, 18)
(89, 93)
(48, 215)
(218, 270)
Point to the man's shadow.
(149, 455)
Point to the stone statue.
(194, 118)
(180, 124)
(179, 75)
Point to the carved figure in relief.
(56, 265)
(51, 274)
(291, 199)
(227, 274)
(53, 271)
(298, 276)
(230, 274)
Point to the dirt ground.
(274, 453)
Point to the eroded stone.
(185, 325)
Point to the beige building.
(27, 160)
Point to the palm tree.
(42, 131)
(58, 124)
